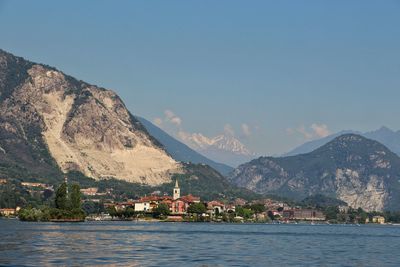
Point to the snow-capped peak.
(230, 143)
(221, 142)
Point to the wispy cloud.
(314, 131)
(171, 117)
(320, 130)
(302, 130)
(246, 131)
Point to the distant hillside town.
(104, 205)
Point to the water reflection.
(180, 244)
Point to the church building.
(177, 191)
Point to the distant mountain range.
(384, 135)
(360, 171)
(52, 125)
(179, 151)
(223, 148)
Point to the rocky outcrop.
(359, 171)
(74, 126)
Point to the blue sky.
(277, 73)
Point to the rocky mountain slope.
(180, 151)
(384, 135)
(50, 121)
(359, 171)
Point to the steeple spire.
(66, 182)
(176, 191)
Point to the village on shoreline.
(96, 206)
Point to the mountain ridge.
(384, 135)
(352, 168)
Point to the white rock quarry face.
(371, 196)
(96, 135)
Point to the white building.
(142, 206)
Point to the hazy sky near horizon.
(274, 73)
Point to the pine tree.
(75, 197)
(61, 197)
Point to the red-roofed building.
(124, 205)
(179, 204)
(190, 199)
(215, 207)
(239, 202)
(178, 207)
(91, 191)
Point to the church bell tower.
(177, 190)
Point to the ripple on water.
(184, 244)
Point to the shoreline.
(200, 222)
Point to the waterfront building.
(9, 211)
(123, 205)
(178, 207)
(230, 208)
(215, 207)
(152, 202)
(276, 213)
(303, 214)
(142, 206)
(378, 219)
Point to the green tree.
(161, 210)
(129, 212)
(271, 215)
(75, 210)
(112, 211)
(197, 208)
(75, 197)
(61, 200)
(331, 213)
(90, 207)
(257, 209)
(47, 193)
(361, 215)
(244, 212)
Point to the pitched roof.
(190, 198)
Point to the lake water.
(196, 244)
